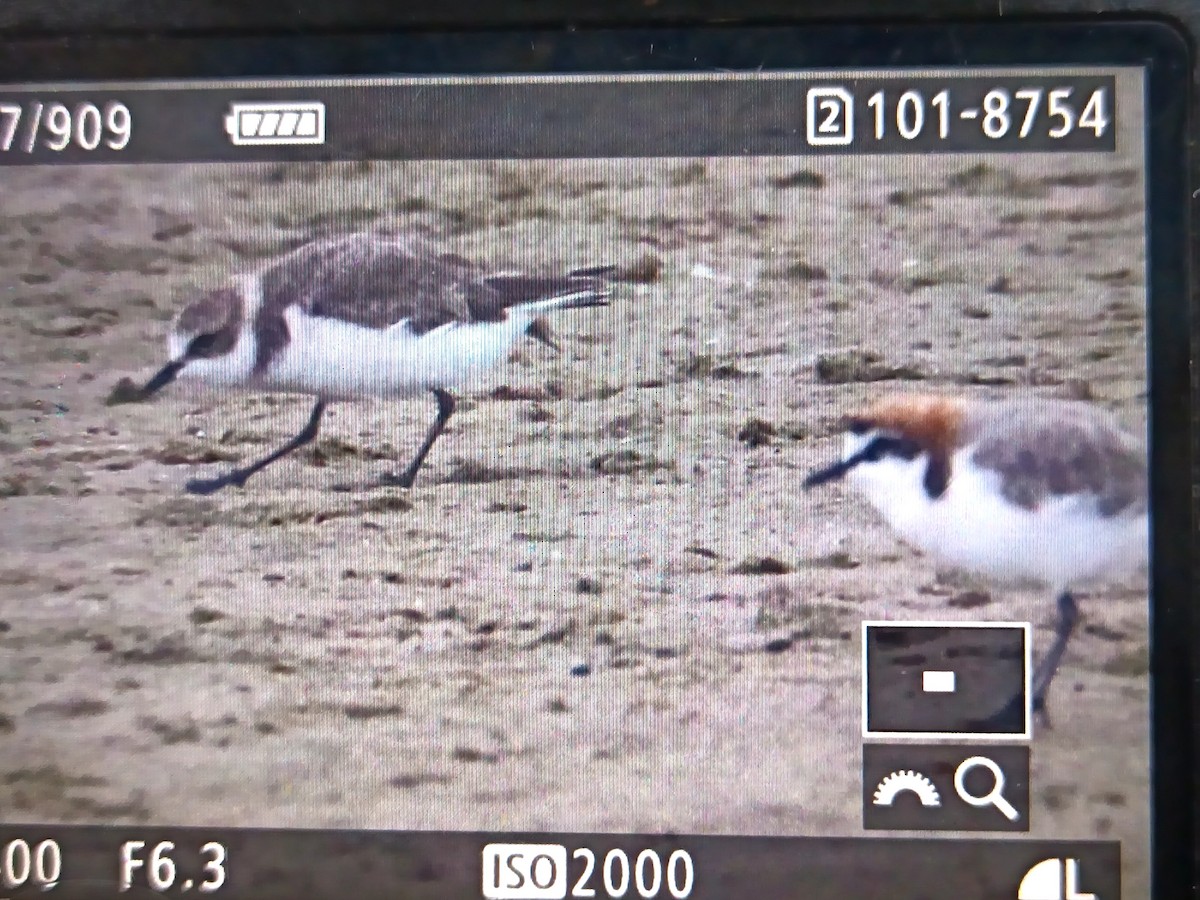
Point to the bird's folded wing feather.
(1040, 453)
(378, 281)
(374, 282)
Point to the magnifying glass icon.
(994, 797)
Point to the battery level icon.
(275, 123)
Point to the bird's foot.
(205, 486)
(402, 480)
(1042, 714)
(1010, 718)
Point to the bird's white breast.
(1064, 542)
(341, 360)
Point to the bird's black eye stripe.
(885, 445)
(875, 450)
(905, 448)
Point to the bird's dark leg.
(1068, 617)
(238, 476)
(1012, 714)
(445, 402)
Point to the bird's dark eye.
(858, 426)
(201, 345)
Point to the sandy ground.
(568, 623)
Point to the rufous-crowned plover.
(364, 315)
(1041, 490)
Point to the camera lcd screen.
(639, 479)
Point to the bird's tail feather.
(543, 293)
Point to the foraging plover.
(1039, 490)
(364, 315)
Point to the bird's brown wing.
(375, 281)
(1054, 449)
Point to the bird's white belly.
(337, 360)
(971, 526)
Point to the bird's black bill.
(831, 473)
(162, 378)
(839, 469)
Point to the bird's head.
(895, 440)
(207, 328)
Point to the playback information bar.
(88, 863)
(531, 117)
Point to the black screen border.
(1163, 52)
